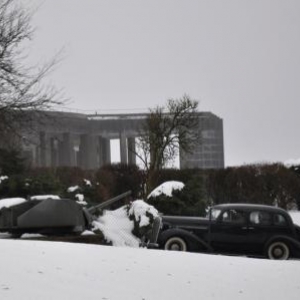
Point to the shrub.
(190, 201)
(116, 179)
(12, 162)
(271, 184)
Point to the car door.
(263, 225)
(229, 233)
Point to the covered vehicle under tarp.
(47, 216)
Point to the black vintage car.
(244, 229)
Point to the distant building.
(209, 154)
(70, 139)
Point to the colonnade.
(88, 151)
(71, 139)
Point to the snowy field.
(53, 270)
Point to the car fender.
(188, 236)
(289, 240)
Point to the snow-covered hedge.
(167, 189)
(177, 198)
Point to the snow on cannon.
(50, 216)
(54, 216)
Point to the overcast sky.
(240, 59)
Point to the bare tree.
(164, 131)
(20, 86)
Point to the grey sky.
(240, 59)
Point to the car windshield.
(213, 213)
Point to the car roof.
(249, 206)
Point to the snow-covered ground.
(54, 270)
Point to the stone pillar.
(88, 152)
(104, 151)
(54, 152)
(37, 160)
(131, 150)
(44, 153)
(60, 152)
(123, 148)
(68, 152)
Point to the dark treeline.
(273, 184)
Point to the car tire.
(175, 243)
(278, 250)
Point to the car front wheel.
(175, 243)
(278, 250)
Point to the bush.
(116, 179)
(271, 184)
(26, 186)
(190, 201)
(70, 176)
(14, 186)
(12, 162)
(167, 205)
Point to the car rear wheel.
(175, 243)
(278, 250)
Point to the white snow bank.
(117, 228)
(31, 235)
(45, 197)
(72, 189)
(166, 188)
(8, 202)
(52, 270)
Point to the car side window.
(260, 218)
(233, 216)
(214, 213)
(279, 220)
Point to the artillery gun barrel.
(108, 202)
